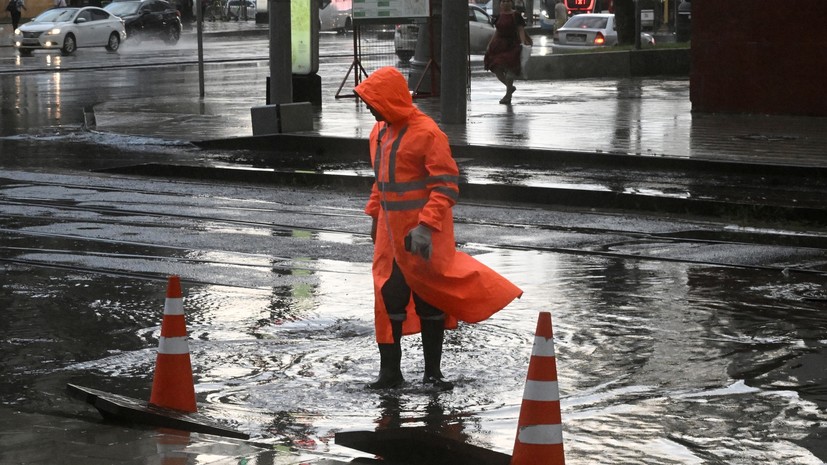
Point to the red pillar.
(760, 56)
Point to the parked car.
(148, 19)
(404, 41)
(335, 15)
(480, 30)
(240, 9)
(67, 29)
(588, 31)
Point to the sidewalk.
(646, 117)
(622, 143)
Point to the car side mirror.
(80, 20)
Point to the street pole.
(199, 9)
(637, 25)
(281, 59)
(453, 78)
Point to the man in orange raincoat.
(416, 267)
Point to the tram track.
(114, 216)
(752, 236)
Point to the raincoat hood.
(386, 90)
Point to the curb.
(344, 149)
(500, 193)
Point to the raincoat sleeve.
(442, 178)
(372, 207)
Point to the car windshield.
(56, 15)
(587, 22)
(123, 8)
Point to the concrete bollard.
(281, 118)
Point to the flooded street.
(662, 358)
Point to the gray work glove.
(420, 241)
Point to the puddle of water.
(658, 363)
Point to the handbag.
(525, 54)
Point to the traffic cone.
(172, 386)
(540, 427)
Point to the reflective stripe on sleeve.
(448, 192)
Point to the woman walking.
(15, 7)
(502, 56)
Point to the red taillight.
(599, 39)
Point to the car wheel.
(69, 45)
(114, 42)
(173, 35)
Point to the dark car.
(148, 19)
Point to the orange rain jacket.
(416, 183)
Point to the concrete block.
(281, 118)
(124, 409)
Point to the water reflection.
(658, 362)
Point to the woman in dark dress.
(502, 56)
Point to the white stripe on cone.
(543, 347)
(542, 391)
(541, 434)
(173, 345)
(174, 306)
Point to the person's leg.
(500, 73)
(396, 295)
(508, 80)
(432, 321)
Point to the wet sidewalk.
(625, 144)
(643, 117)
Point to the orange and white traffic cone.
(172, 386)
(540, 427)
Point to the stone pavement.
(604, 142)
(634, 116)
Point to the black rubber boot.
(390, 359)
(433, 332)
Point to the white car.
(335, 15)
(240, 9)
(67, 29)
(480, 30)
(591, 32)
